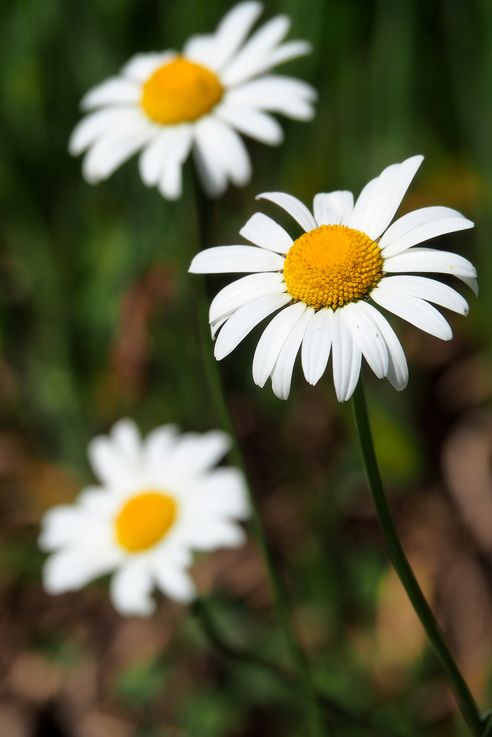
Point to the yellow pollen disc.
(144, 519)
(331, 266)
(180, 91)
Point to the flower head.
(169, 104)
(159, 499)
(330, 283)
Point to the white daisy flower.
(159, 498)
(332, 280)
(168, 104)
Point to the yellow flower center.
(144, 519)
(332, 265)
(180, 91)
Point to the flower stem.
(317, 727)
(368, 723)
(466, 702)
(200, 608)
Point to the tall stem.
(314, 718)
(200, 608)
(368, 723)
(402, 567)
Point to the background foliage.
(98, 320)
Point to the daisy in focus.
(159, 499)
(331, 282)
(170, 104)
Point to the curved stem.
(466, 702)
(366, 722)
(232, 652)
(316, 727)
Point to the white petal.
(333, 208)
(114, 91)
(242, 322)
(235, 259)
(316, 345)
(196, 453)
(235, 26)
(346, 358)
(110, 465)
(397, 364)
(272, 341)
(175, 582)
(471, 282)
(217, 324)
(431, 260)
(266, 61)
(171, 143)
(60, 526)
(253, 53)
(174, 550)
(128, 438)
(253, 123)
(131, 589)
(208, 163)
(266, 233)
(222, 155)
(236, 159)
(276, 94)
(214, 50)
(113, 150)
(323, 214)
(416, 311)
(221, 493)
(421, 225)
(293, 206)
(152, 157)
(284, 366)
(285, 52)
(219, 533)
(102, 122)
(99, 504)
(142, 66)
(170, 182)
(244, 290)
(428, 289)
(71, 569)
(203, 49)
(159, 444)
(367, 337)
(380, 199)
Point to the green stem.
(201, 610)
(366, 722)
(205, 215)
(402, 567)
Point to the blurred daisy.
(168, 104)
(159, 499)
(332, 280)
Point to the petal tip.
(260, 381)
(194, 267)
(305, 47)
(219, 353)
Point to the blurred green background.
(98, 320)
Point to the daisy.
(331, 282)
(159, 498)
(169, 104)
